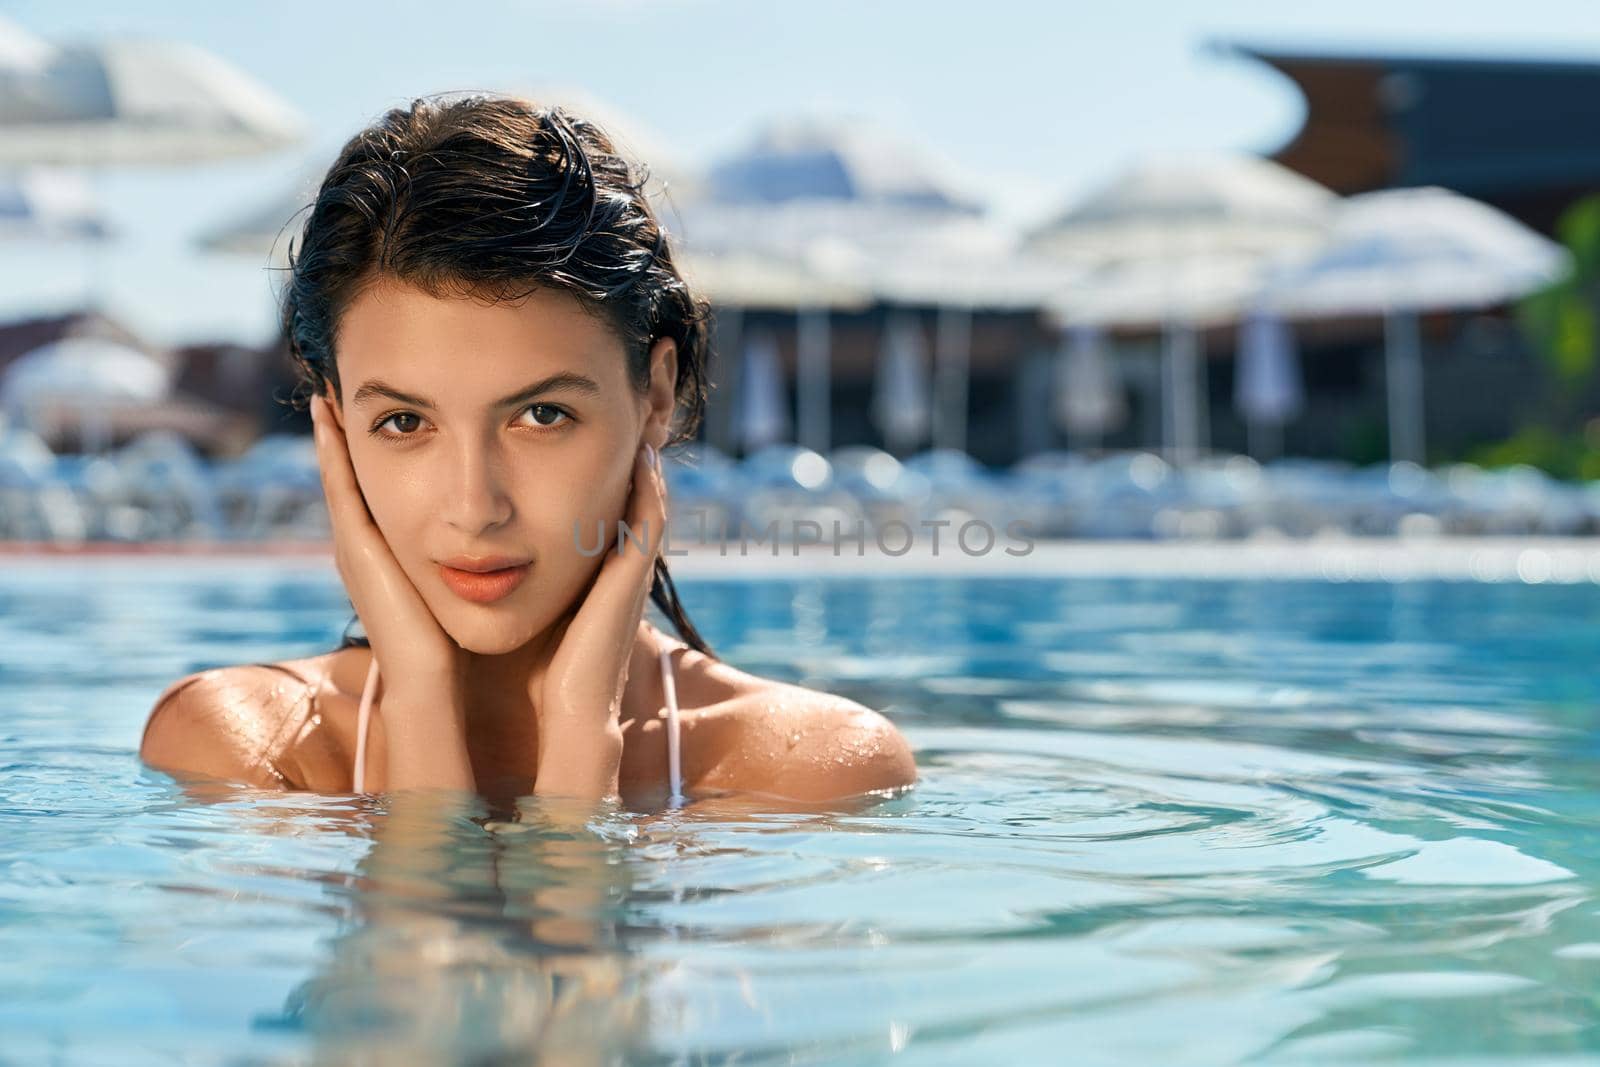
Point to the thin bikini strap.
(668, 686)
(363, 720)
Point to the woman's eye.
(546, 414)
(404, 422)
(407, 423)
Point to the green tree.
(1561, 320)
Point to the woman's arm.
(425, 738)
(220, 724)
(208, 724)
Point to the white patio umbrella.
(901, 401)
(84, 377)
(265, 231)
(1399, 253)
(1180, 244)
(855, 207)
(138, 101)
(763, 416)
(1267, 385)
(1086, 398)
(49, 203)
(843, 160)
(135, 102)
(22, 56)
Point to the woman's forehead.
(395, 328)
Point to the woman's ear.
(662, 399)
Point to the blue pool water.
(1159, 822)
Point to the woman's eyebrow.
(376, 387)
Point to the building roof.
(1512, 132)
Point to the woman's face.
(461, 453)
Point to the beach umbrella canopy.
(1182, 239)
(1179, 243)
(48, 203)
(838, 160)
(23, 59)
(1400, 252)
(1171, 206)
(850, 253)
(265, 231)
(89, 381)
(749, 279)
(901, 400)
(1417, 250)
(21, 50)
(856, 206)
(137, 101)
(82, 370)
(1191, 288)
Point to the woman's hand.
(408, 642)
(579, 700)
(421, 666)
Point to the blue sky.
(1031, 103)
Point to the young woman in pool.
(496, 345)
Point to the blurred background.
(1158, 272)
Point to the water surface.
(1159, 821)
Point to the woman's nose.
(477, 497)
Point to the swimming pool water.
(1159, 822)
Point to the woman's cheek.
(587, 498)
(394, 498)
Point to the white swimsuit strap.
(363, 719)
(668, 686)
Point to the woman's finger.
(339, 483)
(596, 645)
(388, 604)
(647, 504)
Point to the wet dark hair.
(488, 196)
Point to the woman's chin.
(488, 636)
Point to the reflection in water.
(470, 938)
(468, 935)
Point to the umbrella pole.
(1168, 356)
(954, 346)
(1264, 439)
(814, 379)
(1200, 379)
(1180, 402)
(1402, 337)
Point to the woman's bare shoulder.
(226, 722)
(808, 744)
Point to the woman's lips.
(483, 587)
